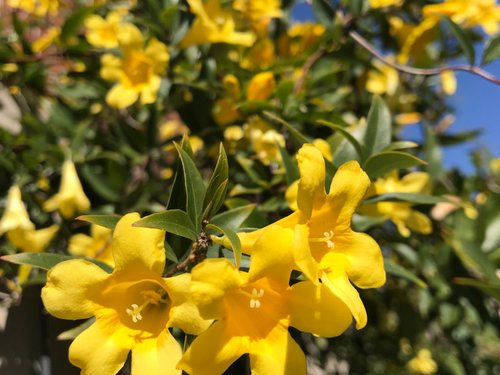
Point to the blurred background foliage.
(109, 86)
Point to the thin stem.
(426, 72)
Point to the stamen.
(254, 300)
(327, 237)
(150, 297)
(135, 312)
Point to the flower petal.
(418, 222)
(213, 351)
(302, 253)
(366, 264)
(135, 247)
(157, 356)
(347, 189)
(278, 353)
(416, 182)
(70, 289)
(273, 254)
(184, 313)
(96, 353)
(317, 310)
(210, 280)
(120, 97)
(312, 178)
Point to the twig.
(305, 69)
(426, 72)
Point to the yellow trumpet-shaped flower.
(413, 39)
(261, 86)
(96, 246)
(46, 40)
(103, 32)
(384, 3)
(325, 246)
(423, 363)
(15, 215)
(258, 12)
(468, 13)
(400, 213)
(264, 140)
(71, 198)
(36, 7)
(133, 306)
(384, 80)
(300, 38)
(213, 25)
(138, 73)
(254, 310)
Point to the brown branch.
(305, 69)
(426, 72)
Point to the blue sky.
(476, 106)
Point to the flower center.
(255, 297)
(327, 237)
(151, 297)
(137, 68)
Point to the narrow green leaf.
(233, 218)
(384, 162)
(324, 12)
(233, 238)
(216, 202)
(46, 261)
(99, 184)
(219, 178)
(291, 167)
(294, 133)
(172, 221)
(353, 141)
(74, 21)
(253, 171)
(378, 131)
(355, 6)
(195, 187)
(432, 151)
(397, 270)
(400, 145)
(489, 287)
(170, 253)
(492, 50)
(408, 197)
(70, 334)
(462, 37)
(108, 221)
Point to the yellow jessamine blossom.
(384, 80)
(134, 306)
(138, 73)
(260, 55)
(324, 147)
(234, 139)
(423, 363)
(36, 7)
(448, 82)
(15, 215)
(46, 40)
(231, 86)
(71, 198)
(261, 86)
(254, 310)
(300, 38)
(384, 3)
(408, 118)
(225, 111)
(325, 247)
(10, 68)
(96, 246)
(263, 139)
(468, 13)
(400, 213)
(213, 25)
(103, 32)
(258, 12)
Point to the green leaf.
(492, 50)
(397, 270)
(70, 334)
(378, 132)
(233, 238)
(489, 287)
(219, 178)
(399, 145)
(172, 221)
(353, 141)
(46, 261)
(108, 221)
(355, 6)
(195, 187)
(74, 21)
(324, 12)
(254, 171)
(407, 197)
(294, 133)
(170, 253)
(233, 218)
(433, 155)
(99, 184)
(462, 37)
(384, 162)
(291, 167)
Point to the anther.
(134, 312)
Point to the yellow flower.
(231, 86)
(255, 309)
(384, 3)
(71, 198)
(384, 80)
(103, 32)
(263, 139)
(213, 25)
(260, 55)
(225, 111)
(261, 86)
(449, 82)
(423, 363)
(325, 247)
(413, 39)
(15, 215)
(96, 246)
(36, 7)
(468, 13)
(133, 306)
(139, 72)
(300, 38)
(46, 40)
(400, 213)
(324, 147)
(258, 12)
(408, 118)
(10, 68)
